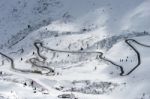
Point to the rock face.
(88, 87)
(67, 96)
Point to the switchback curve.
(127, 41)
(36, 44)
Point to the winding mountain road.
(127, 41)
(40, 44)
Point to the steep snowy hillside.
(74, 49)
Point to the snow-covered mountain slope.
(74, 49)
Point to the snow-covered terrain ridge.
(74, 49)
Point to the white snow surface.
(52, 48)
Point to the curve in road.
(127, 41)
(40, 44)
